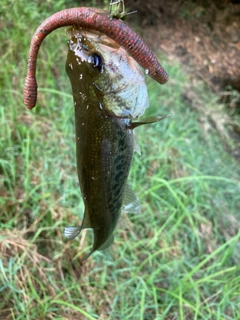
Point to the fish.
(109, 92)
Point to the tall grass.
(177, 259)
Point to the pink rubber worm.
(98, 20)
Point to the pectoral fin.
(149, 120)
(131, 203)
(71, 232)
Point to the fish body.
(103, 79)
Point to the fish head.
(107, 72)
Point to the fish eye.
(97, 61)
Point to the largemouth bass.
(109, 91)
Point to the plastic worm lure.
(95, 19)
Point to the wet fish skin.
(104, 145)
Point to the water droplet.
(147, 71)
(100, 106)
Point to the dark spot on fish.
(121, 143)
(115, 186)
(119, 167)
(117, 194)
(118, 160)
(118, 176)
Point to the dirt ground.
(203, 35)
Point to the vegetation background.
(179, 258)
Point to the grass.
(177, 259)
